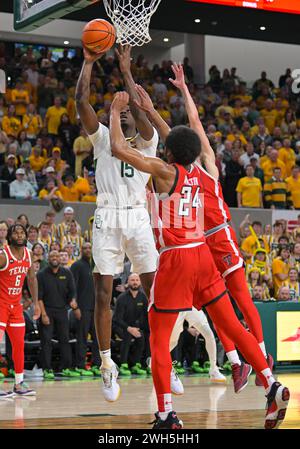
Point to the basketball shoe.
(216, 376)
(6, 394)
(111, 389)
(196, 368)
(270, 363)
(84, 372)
(138, 370)
(277, 402)
(95, 370)
(23, 389)
(176, 384)
(48, 374)
(172, 422)
(240, 376)
(178, 367)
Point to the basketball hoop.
(131, 19)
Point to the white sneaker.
(6, 394)
(111, 389)
(176, 384)
(216, 376)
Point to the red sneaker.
(240, 375)
(277, 402)
(270, 363)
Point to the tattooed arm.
(86, 112)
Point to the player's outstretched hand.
(37, 312)
(179, 80)
(145, 102)
(124, 56)
(91, 57)
(120, 101)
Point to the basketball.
(98, 35)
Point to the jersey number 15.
(126, 170)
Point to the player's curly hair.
(12, 229)
(184, 145)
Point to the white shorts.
(194, 317)
(118, 232)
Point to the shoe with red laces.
(240, 375)
(270, 363)
(172, 422)
(277, 402)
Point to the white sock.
(233, 357)
(19, 378)
(166, 399)
(107, 361)
(267, 373)
(163, 415)
(263, 348)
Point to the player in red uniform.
(186, 274)
(15, 266)
(222, 241)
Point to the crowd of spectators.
(45, 153)
(272, 258)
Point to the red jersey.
(216, 211)
(177, 218)
(12, 276)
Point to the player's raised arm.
(33, 288)
(86, 112)
(142, 123)
(208, 155)
(145, 103)
(123, 151)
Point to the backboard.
(31, 14)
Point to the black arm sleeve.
(119, 313)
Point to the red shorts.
(11, 315)
(186, 277)
(225, 250)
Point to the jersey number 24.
(187, 201)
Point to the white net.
(131, 19)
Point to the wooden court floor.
(78, 404)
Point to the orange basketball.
(98, 35)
